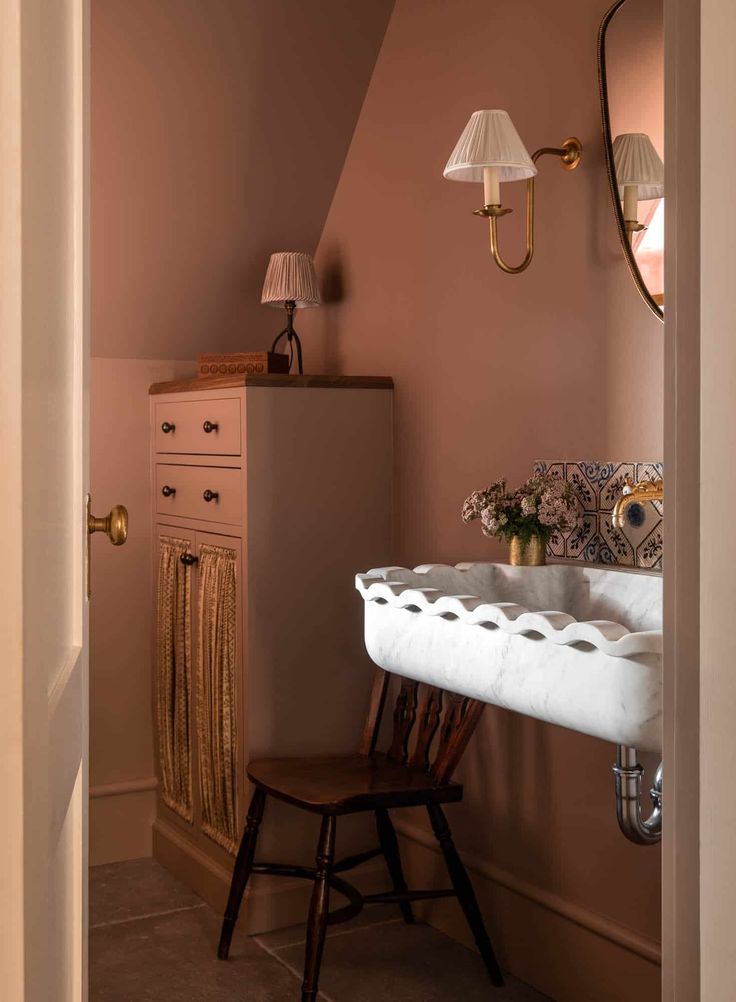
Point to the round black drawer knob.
(188, 559)
(210, 495)
(168, 492)
(167, 428)
(210, 426)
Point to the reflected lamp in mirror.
(631, 84)
(291, 283)
(639, 175)
(490, 152)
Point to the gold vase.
(531, 555)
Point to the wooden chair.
(374, 782)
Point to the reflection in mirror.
(631, 67)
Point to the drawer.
(180, 426)
(189, 484)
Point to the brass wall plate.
(573, 153)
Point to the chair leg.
(390, 848)
(318, 909)
(464, 890)
(241, 872)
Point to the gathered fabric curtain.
(216, 694)
(174, 675)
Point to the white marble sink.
(571, 644)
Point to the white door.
(44, 152)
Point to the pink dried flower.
(489, 521)
(541, 506)
(474, 505)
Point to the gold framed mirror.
(631, 83)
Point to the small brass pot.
(531, 555)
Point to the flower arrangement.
(543, 505)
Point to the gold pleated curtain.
(216, 696)
(174, 675)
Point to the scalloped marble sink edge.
(571, 644)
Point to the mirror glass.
(631, 65)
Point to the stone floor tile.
(137, 887)
(297, 934)
(153, 941)
(173, 957)
(405, 963)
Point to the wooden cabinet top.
(273, 379)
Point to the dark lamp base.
(292, 339)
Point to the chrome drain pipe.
(628, 773)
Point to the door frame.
(699, 869)
(11, 458)
(681, 829)
(44, 48)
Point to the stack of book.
(240, 363)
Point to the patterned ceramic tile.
(596, 540)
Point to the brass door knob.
(210, 426)
(114, 525)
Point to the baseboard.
(120, 820)
(120, 789)
(568, 952)
(271, 902)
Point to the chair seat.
(348, 784)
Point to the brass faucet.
(645, 490)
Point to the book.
(239, 363)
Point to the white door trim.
(44, 320)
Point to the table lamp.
(291, 283)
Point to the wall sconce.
(490, 150)
(639, 175)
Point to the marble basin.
(574, 645)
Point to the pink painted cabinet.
(268, 494)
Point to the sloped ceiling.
(219, 131)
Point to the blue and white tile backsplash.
(596, 540)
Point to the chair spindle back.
(436, 720)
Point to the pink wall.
(635, 61)
(121, 729)
(219, 132)
(491, 372)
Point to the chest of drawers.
(269, 492)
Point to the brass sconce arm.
(569, 153)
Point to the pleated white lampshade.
(489, 140)
(638, 165)
(290, 277)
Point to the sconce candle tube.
(491, 186)
(631, 202)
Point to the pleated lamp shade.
(290, 277)
(489, 140)
(638, 164)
